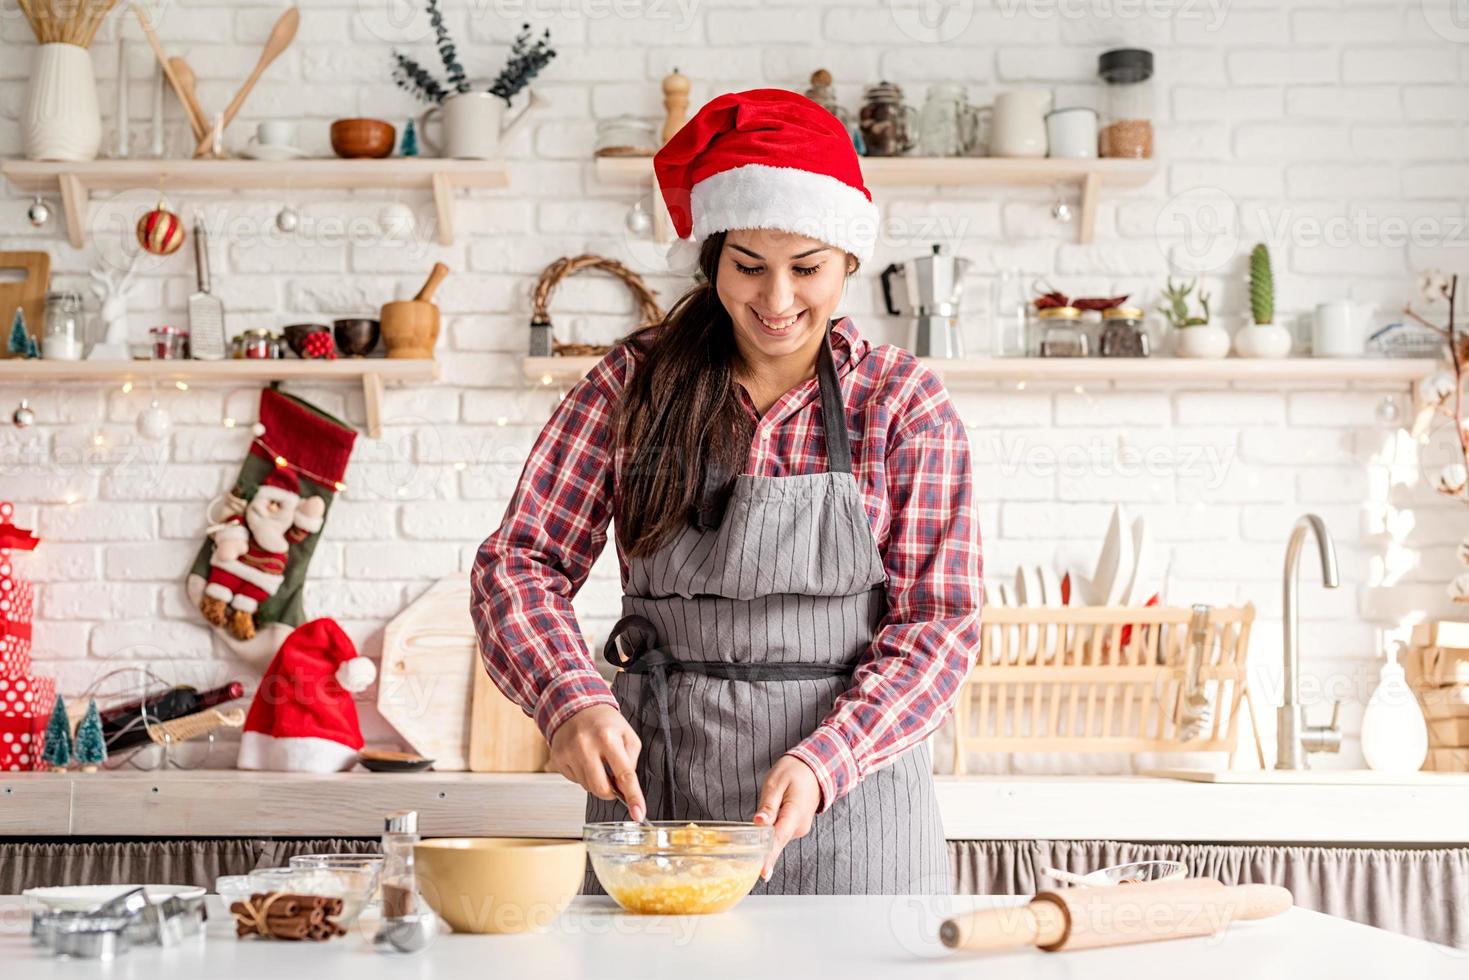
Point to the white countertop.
(770, 938)
(228, 803)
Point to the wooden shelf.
(77, 181)
(371, 372)
(564, 370)
(1090, 176)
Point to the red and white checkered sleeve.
(527, 572)
(905, 686)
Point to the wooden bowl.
(356, 336)
(295, 335)
(354, 138)
(499, 884)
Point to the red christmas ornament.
(319, 346)
(160, 231)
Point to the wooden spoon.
(281, 36)
(196, 121)
(189, 83)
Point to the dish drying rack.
(1106, 679)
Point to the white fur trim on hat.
(683, 256)
(356, 674)
(788, 199)
(304, 754)
(277, 493)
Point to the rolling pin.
(1115, 915)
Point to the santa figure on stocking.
(251, 549)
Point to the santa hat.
(765, 158)
(303, 717)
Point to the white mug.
(476, 125)
(275, 132)
(1018, 126)
(1339, 329)
(1072, 133)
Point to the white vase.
(1262, 340)
(1209, 340)
(61, 120)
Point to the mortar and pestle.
(411, 326)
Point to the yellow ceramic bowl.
(499, 884)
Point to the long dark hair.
(679, 418)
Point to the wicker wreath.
(649, 310)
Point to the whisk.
(1198, 710)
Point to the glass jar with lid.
(625, 136)
(947, 124)
(65, 337)
(1123, 334)
(1058, 332)
(889, 125)
(1127, 103)
(168, 343)
(258, 344)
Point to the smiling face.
(780, 290)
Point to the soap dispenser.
(1394, 734)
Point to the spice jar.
(1059, 333)
(889, 127)
(258, 344)
(167, 343)
(65, 338)
(948, 125)
(1127, 103)
(1123, 334)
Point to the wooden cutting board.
(29, 293)
(435, 692)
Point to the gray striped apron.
(736, 639)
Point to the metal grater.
(206, 312)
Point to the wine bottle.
(125, 726)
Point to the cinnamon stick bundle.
(280, 915)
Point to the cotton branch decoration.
(1441, 395)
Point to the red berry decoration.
(160, 231)
(319, 346)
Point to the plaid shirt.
(911, 459)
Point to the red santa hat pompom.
(765, 158)
(303, 717)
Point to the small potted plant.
(475, 123)
(1264, 337)
(1195, 335)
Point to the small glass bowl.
(354, 886)
(232, 888)
(372, 863)
(677, 868)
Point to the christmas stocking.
(247, 578)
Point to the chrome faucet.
(1293, 737)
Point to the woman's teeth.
(779, 324)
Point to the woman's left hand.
(788, 800)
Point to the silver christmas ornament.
(287, 219)
(396, 220)
(1061, 211)
(22, 417)
(39, 213)
(153, 422)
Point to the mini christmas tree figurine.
(58, 737)
(21, 343)
(91, 748)
(409, 145)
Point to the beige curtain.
(1421, 893)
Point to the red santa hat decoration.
(765, 158)
(303, 718)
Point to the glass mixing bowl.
(677, 868)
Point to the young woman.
(795, 528)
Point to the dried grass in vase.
(66, 21)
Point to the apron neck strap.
(833, 410)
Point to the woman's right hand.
(598, 750)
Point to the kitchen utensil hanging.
(542, 340)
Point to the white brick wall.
(1333, 132)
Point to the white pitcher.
(475, 125)
(1018, 126)
(1339, 329)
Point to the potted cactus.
(1195, 335)
(1263, 337)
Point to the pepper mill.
(675, 103)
